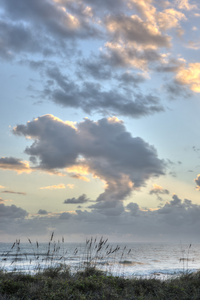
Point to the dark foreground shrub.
(92, 284)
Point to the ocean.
(147, 260)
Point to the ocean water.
(159, 260)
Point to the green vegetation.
(58, 283)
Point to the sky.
(99, 119)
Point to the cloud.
(197, 180)
(175, 90)
(11, 212)
(184, 4)
(145, 8)
(129, 78)
(16, 39)
(135, 30)
(105, 147)
(54, 187)
(42, 212)
(91, 97)
(190, 76)
(158, 190)
(126, 42)
(81, 199)
(47, 27)
(108, 208)
(125, 55)
(80, 169)
(2, 187)
(95, 67)
(170, 18)
(80, 177)
(174, 218)
(54, 17)
(102, 5)
(170, 65)
(195, 45)
(64, 216)
(13, 192)
(14, 164)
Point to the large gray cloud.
(107, 149)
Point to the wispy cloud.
(54, 187)
(80, 200)
(13, 192)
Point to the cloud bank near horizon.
(175, 217)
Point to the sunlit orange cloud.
(114, 120)
(153, 209)
(145, 8)
(2, 187)
(50, 172)
(157, 187)
(190, 76)
(170, 18)
(69, 123)
(54, 187)
(80, 169)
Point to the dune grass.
(57, 280)
(59, 283)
